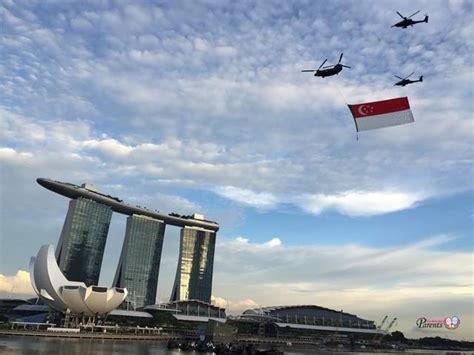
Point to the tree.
(398, 336)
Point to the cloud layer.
(407, 282)
(227, 109)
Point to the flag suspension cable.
(340, 92)
(347, 104)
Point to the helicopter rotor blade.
(399, 14)
(328, 66)
(409, 75)
(340, 58)
(396, 76)
(414, 14)
(308, 70)
(346, 66)
(322, 63)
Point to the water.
(26, 345)
(40, 345)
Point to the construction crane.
(378, 337)
(380, 327)
(391, 324)
(382, 323)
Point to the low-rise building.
(302, 320)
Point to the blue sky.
(201, 107)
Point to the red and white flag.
(379, 114)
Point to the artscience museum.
(73, 297)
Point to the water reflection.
(36, 345)
(28, 345)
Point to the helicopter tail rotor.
(343, 65)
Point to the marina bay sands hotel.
(82, 242)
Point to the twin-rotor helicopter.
(328, 70)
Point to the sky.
(201, 106)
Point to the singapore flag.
(379, 114)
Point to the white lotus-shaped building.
(54, 289)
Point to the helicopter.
(405, 81)
(407, 21)
(328, 70)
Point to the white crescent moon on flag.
(360, 110)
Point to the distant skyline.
(202, 107)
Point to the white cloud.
(110, 147)
(351, 203)
(275, 242)
(18, 284)
(282, 95)
(234, 306)
(260, 200)
(226, 51)
(359, 203)
(81, 23)
(10, 154)
(245, 242)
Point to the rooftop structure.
(117, 205)
(8, 304)
(190, 310)
(310, 318)
(300, 313)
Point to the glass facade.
(139, 263)
(82, 242)
(196, 260)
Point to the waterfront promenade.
(90, 335)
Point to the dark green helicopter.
(405, 81)
(407, 21)
(328, 70)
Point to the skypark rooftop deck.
(74, 191)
